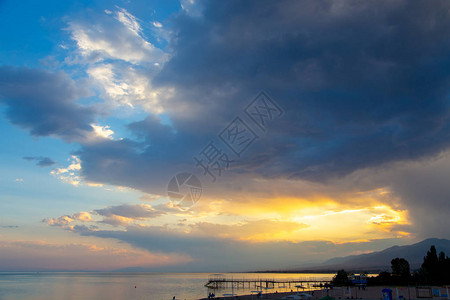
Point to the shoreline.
(369, 293)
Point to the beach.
(372, 292)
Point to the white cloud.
(118, 37)
(114, 88)
(71, 173)
(60, 221)
(82, 216)
(120, 215)
(157, 24)
(127, 86)
(132, 61)
(66, 220)
(129, 21)
(103, 131)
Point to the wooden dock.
(303, 284)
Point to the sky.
(213, 136)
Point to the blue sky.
(102, 103)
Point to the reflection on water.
(115, 286)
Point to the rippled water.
(129, 286)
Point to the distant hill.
(381, 260)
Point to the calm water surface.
(118, 286)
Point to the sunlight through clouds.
(356, 157)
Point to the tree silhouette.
(430, 265)
(400, 267)
(341, 278)
(435, 269)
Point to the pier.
(217, 282)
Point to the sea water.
(128, 286)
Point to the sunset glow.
(202, 136)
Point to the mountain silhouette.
(381, 260)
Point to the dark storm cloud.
(130, 211)
(426, 187)
(363, 83)
(44, 102)
(147, 160)
(41, 161)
